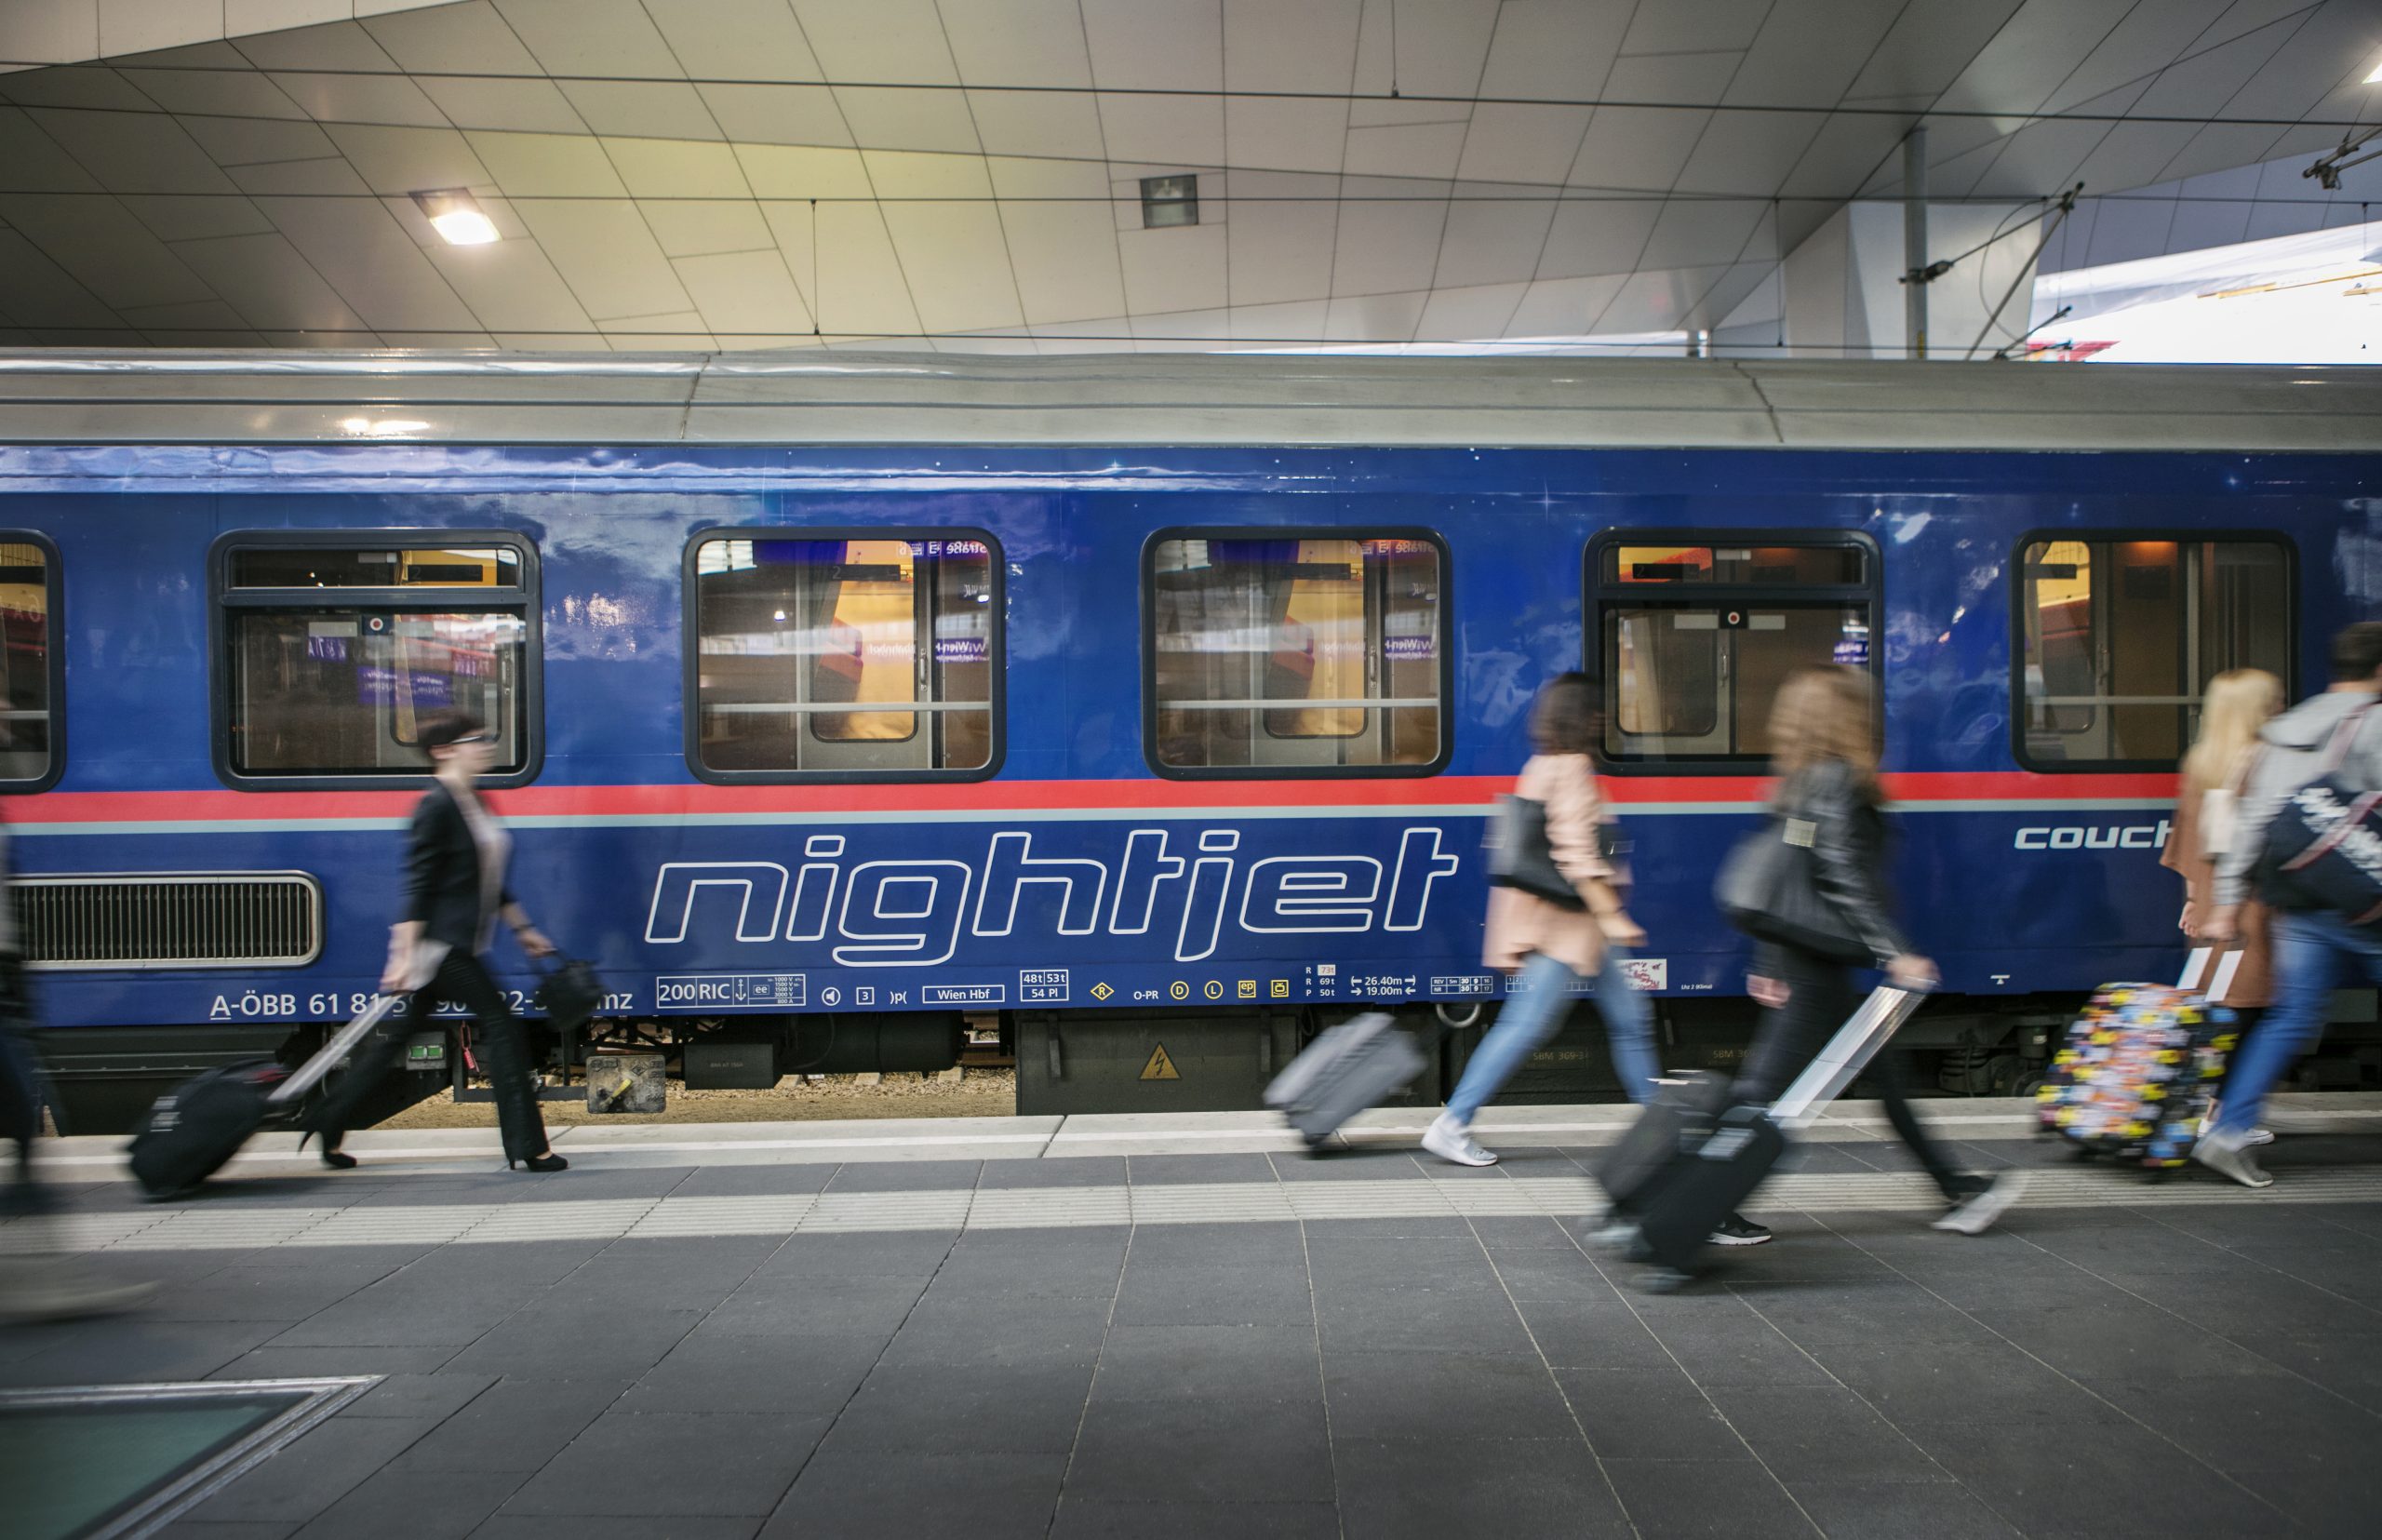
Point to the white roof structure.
(965, 175)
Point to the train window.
(29, 664)
(1696, 634)
(2118, 640)
(1286, 654)
(864, 657)
(316, 684)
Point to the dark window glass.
(1317, 653)
(296, 567)
(338, 691)
(2121, 637)
(25, 662)
(828, 656)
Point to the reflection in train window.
(316, 686)
(843, 657)
(1281, 653)
(27, 662)
(1696, 634)
(2118, 640)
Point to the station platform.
(1186, 1325)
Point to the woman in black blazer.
(455, 894)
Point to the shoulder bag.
(2323, 847)
(1766, 889)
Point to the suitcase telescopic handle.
(310, 1074)
(1846, 1055)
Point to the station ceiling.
(967, 175)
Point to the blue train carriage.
(1142, 713)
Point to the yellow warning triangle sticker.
(1160, 1067)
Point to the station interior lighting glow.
(458, 218)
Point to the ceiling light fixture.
(1168, 202)
(2375, 78)
(457, 216)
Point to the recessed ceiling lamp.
(2375, 78)
(457, 216)
(1169, 201)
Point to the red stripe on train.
(1030, 796)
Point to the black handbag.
(1766, 890)
(1520, 857)
(569, 994)
(2323, 846)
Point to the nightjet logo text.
(1166, 883)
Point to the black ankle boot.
(548, 1161)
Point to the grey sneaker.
(1454, 1143)
(2228, 1154)
(1738, 1230)
(1976, 1213)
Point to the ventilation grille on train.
(171, 919)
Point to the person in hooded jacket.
(2313, 948)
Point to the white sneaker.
(1977, 1214)
(2258, 1136)
(1454, 1143)
(2231, 1157)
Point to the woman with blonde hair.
(1824, 752)
(2240, 701)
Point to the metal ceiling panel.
(778, 114)
(737, 39)
(799, 171)
(1639, 148)
(1928, 46)
(35, 162)
(361, 99)
(108, 250)
(552, 166)
(207, 324)
(1406, 150)
(510, 106)
(184, 219)
(1278, 244)
(1522, 144)
(1165, 130)
(1270, 46)
(935, 121)
(1700, 78)
(407, 160)
(704, 228)
(1492, 239)
(1592, 237)
(1748, 153)
(1563, 307)
(2143, 43)
(36, 291)
(1286, 136)
(605, 253)
(1690, 228)
(1454, 314)
(1174, 269)
(745, 292)
(1139, 46)
(642, 109)
(214, 93)
(1553, 48)
(1809, 52)
(591, 37)
(1018, 42)
(275, 288)
(676, 168)
(859, 287)
(132, 154)
(957, 264)
(1389, 242)
(1681, 26)
(247, 141)
(512, 286)
(343, 45)
(1066, 260)
(465, 38)
(331, 176)
(377, 268)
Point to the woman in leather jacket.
(1825, 755)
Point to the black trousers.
(1820, 998)
(23, 1088)
(502, 1043)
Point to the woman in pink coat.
(1550, 946)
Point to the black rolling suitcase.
(1683, 1107)
(1347, 1070)
(202, 1123)
(1707, 1181)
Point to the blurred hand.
(2223, 926)
(2188, 923)
(1912, 971)
(1620, 930)
(1766, 991)
(533, 941)
(397, 977)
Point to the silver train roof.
(64, 397)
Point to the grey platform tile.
(1742, 1349)
(1675, 1498)
(1089, 1519)
(670, 1463)
(194, 1529)
(1072, 1170)
(1424, 1396)
(1906, 1375)
(402, 1395)
(2257, 1300)
(2280, 1424)
(2123, 1342)
(790, 1377)
(854, 1493)
(1473, 1321)
(1391, 1164)
(1196, 1362)
(513, 1424)
(1039, 1331)
(1593, 1334)
(1553, 1275)
(117, 1351)
(1182, 1294)
(1811, 1433)
(2123, 1482)
(413, 1318)
(1898, 1510)
(892, 1251)
(519, 1526)
(756, 1181)
(514, 1264)
(2329, 1503)
(415, 1504)
(1648, 1415)
(781, 1305)
(285, 1290)
(321, 1467)
(704, 1261)
(906, 1176)
(1176, 1169)
(270, 1362)
(1011, 1409)
(1424, 1227)
(1386, 1263)
(1265, 1243)
(576, 1342)
(2347, 1364)
(1509, 1233)
(1010, 1273)
(1513, 1489)
(1204, 1451)
(1824, 1318)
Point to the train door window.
(29, 663)
(864, 657)
(1698, 632)
(334, 648)
(2119, 638)
(1284, 653)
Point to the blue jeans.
(1541, 998)
(2311, 951)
